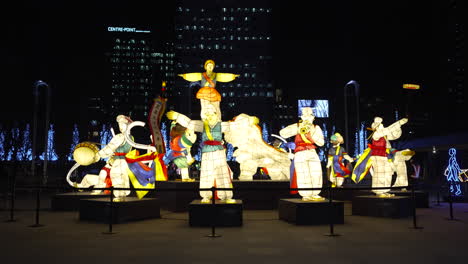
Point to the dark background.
(317, 50)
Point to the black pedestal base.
(178, 200)
(129, 210)
(311, 213)
(71, 201)
(263, 195)
(421, 197)
(223, 214)
(371, 205)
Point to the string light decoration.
(452, 171)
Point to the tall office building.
(237, 35)
(137, 62)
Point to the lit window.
(231, 94)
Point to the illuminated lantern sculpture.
(208, 94)
(124, 165)
(253, 152)
(337, 169)
(376, 156)
(399, 162)
(181, 142)
(308, 170)
(214, 169)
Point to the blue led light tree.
(75, 141)
(50, 153)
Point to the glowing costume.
(182, 140)
(118, 147)
(208, 94)
(306, 161)
(399, 162)
(376, 156)
(214, 168)
(253, 152)
(336, 154)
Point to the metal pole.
(330, 212)
(47, 121)
(213, 222)
(111, 208)
(12, 199)
(346, 117)
(34, 132)
(38, 206)
(413, 198)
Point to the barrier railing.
(213, 234)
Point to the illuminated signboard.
(320, 107)
(126, 29)
(411, 86)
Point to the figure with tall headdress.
(214, 169)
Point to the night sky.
(317, 50)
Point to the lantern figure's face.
(209, 67)
(122, 126)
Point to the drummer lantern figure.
(117, 148)
(306, 161)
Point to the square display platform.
(179, 199)
(310, 213)
(371, 205)
(131, 209)
(223, 214)
(263, 194)
(421, 197)
(71, 201)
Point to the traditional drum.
(85, 153)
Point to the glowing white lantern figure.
(337, 169)
(306, 161)
(214, 168)
(117, 148)
(208, 94)
(253, 152)
(382, 169)
(399, 162)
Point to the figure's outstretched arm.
(195, 125)
(191, 77)
(392, 132)
(226, 77)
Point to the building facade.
(237, 35)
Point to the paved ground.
(262, 238)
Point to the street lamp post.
(356, 93)
(36, 91)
